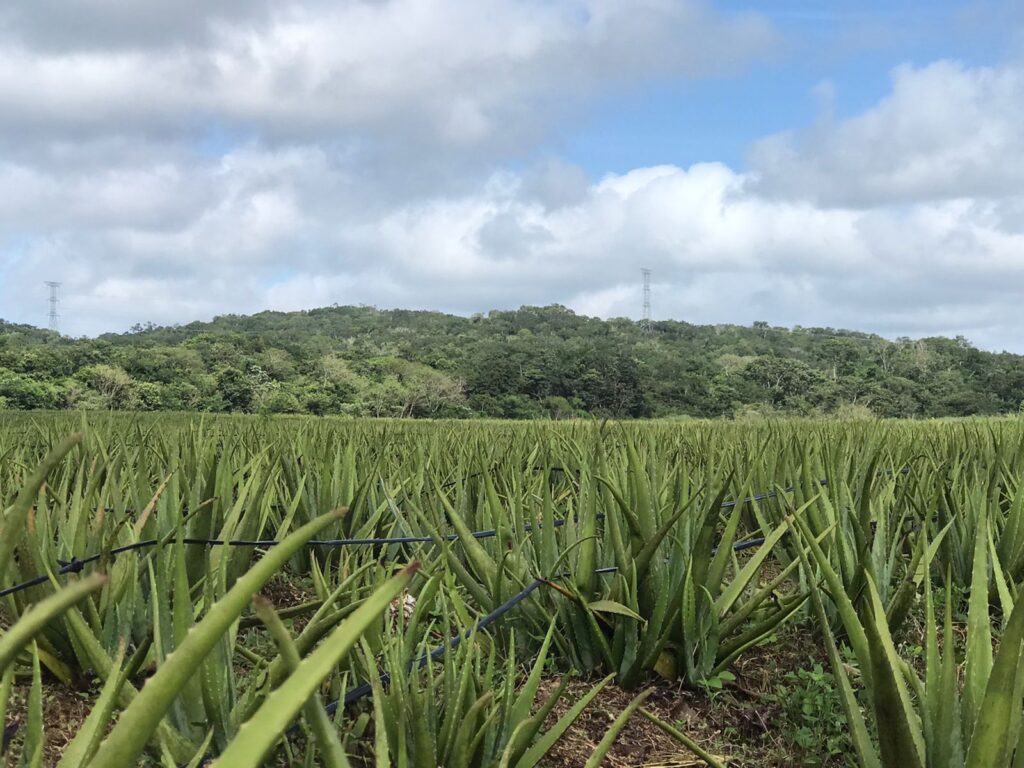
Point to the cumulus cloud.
(490, 73)
(292, 155)
(945, 131)
(721, 252)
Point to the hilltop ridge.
(530, 362)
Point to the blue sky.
(848, 47)
(844, 164)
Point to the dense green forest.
(533, 362)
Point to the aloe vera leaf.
(257, 736)
(138, 721)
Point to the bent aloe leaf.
(683, 739)
(137, 723)
(332, 755)
(39, 615)
(258, 735)
(612, 606)
(81, 749)
(13, 522)
(604, 746)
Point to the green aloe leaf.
(682, 738)
(520, 710)
(332, 755)
(32, 751)
(1000, 709)
(258, 735)
(978, 668)
(612, 606)
(137, 723)
(81, 749)
(13, 521)
(36, 618)
(900, 737)
(548, 740)
(605, 745)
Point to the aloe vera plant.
(679, 602)
(258, 734)
(931, 720)
(138, 721)
(629, 528)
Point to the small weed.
(715, 683)
(814, 713)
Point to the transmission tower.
(646, 321)
(54, 300)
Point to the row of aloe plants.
(644, 510)
(189, 709)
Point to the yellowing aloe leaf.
(611, 606)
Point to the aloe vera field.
(181, 590)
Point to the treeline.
(530, 363)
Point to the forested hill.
(533, 362)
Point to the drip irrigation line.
(748, 544)
(790, 489)
(10, 731)
(76, 565)
(365, 689)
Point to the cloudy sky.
(855, 163)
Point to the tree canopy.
(527, 363)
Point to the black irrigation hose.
(75, 565)
(10, 732)
(365, 689)
(749, 544)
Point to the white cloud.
(945, 131)
(446, 72)
(375, 169)
(721, 252)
